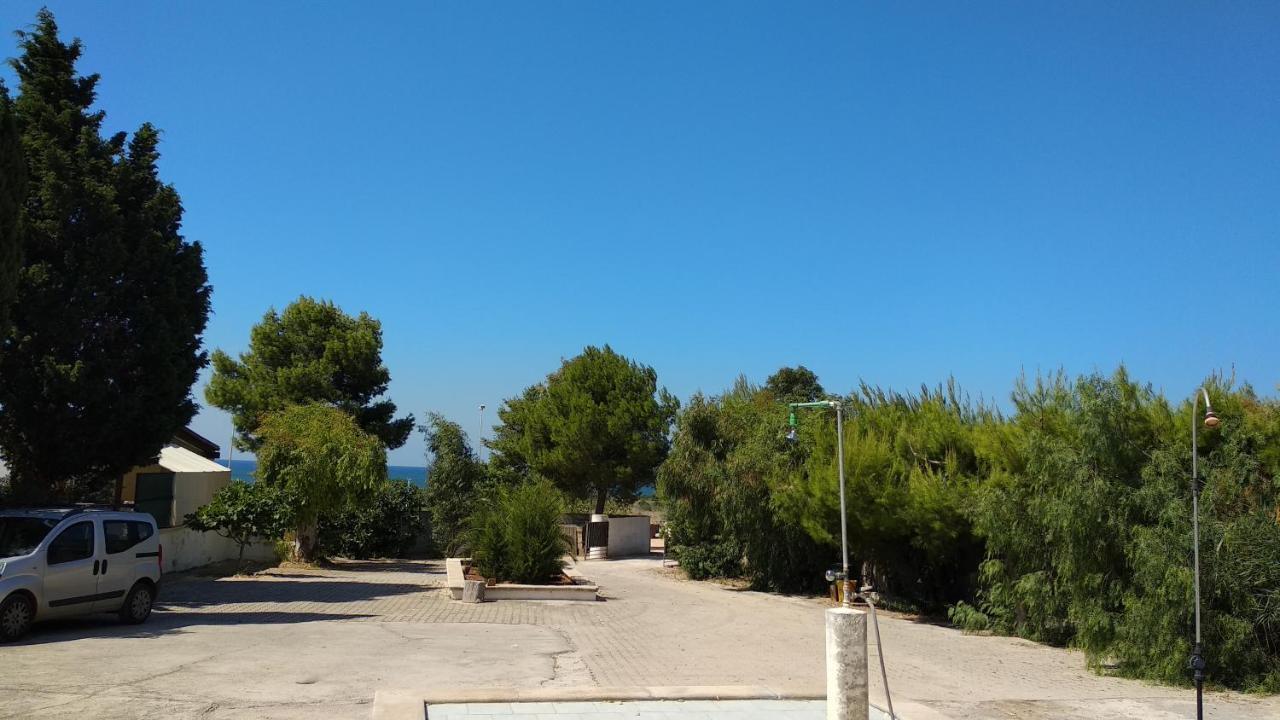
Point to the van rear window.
(124, 534)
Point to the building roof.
(181, 460)
(196, 443)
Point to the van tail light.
(160, 558)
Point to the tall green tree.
(321, 461)
(111, 300)
(455, 480)
(313, 352)
(598, 427)
(13, 195)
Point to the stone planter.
(581, 589)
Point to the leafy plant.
(456, 479)
(516, 535)
(243, 512)
(388, 525)
(709, 560)
(322, 462)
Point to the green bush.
(388, 525)
(243, 513)
(1067, 522)
(515, 535)
(709, 560)
(456, 478)
(967, 617)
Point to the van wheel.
(137, 606)
(16, 616)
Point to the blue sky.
(894, 192)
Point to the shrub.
(387, 526)
(709, 560)
(243, 512)
(455, 479)
(968, 618)
(515, 535)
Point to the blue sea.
(244, 469)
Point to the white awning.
(176, 459)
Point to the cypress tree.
(13, 175)
(96, 371)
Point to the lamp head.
(1211, 419)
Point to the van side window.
(74, 543)
(124, 534)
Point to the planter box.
(581, 589)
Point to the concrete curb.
(412, 704)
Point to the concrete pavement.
(309, 643)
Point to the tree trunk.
(602, 494)
(304, 542)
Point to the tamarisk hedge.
(1066, 520)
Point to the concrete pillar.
(846, 664)
(472, 591)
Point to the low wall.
(580, 590)
(185, 549)
(629, 536)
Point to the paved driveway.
(302, 644)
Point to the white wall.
(628, 536)
(185, 549)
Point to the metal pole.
(1197, 655)
(846, 600)
(480, 440)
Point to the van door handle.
(104, 567)
(95, 567)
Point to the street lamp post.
(847, 594)
(1211, 420)
(480, 440)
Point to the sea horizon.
(244, 470)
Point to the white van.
(63, 562)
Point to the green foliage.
(110, 301)
(967, 617)
(388, 525)
(1067, 523)
(709, 560)
(13, 195)
(1088, 529)
(243, 512)
(720, 486)
(597, 427)
(313, 352)
(797, 384)
(455, 481)
(322, 461)
(911, 462)
(515, 534)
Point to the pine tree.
(598, 427)
(111, 300)
(312, 352)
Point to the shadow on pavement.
(265, 589)
(160, 624)
(424, 567)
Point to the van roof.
(58, 513)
